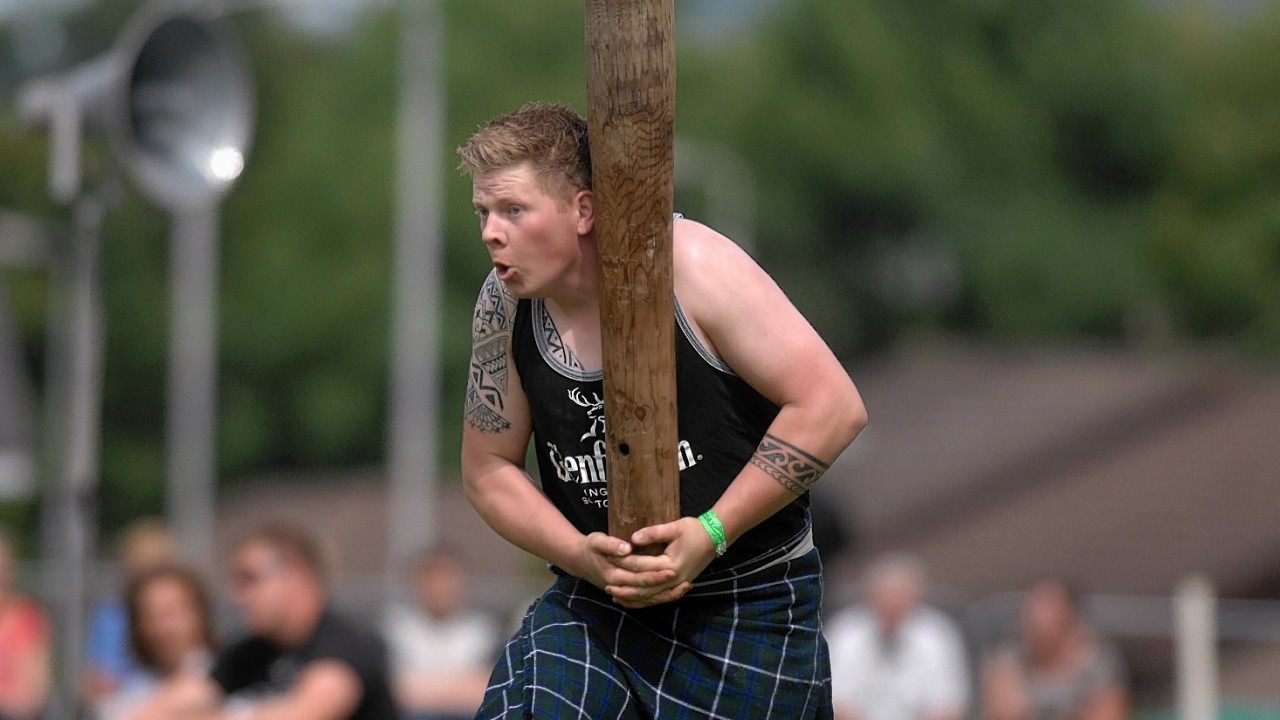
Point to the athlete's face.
(533, 238)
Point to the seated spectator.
(25, 648)
(109, 666)
(897, 659)
(302, 661)
(441, 651)
(170, 634)
(1060, 670)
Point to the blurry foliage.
(1093, 170)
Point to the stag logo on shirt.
(595, 412)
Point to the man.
(897, 659)
(303, 661)
(724, 622)
(1061, 670)
(441, 649)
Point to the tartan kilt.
(744, 643)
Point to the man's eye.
(515, 210)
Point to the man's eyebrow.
(501, 199)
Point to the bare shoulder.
(713, 273)
(708, 265)
(698, 247)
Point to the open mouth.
(504, 270)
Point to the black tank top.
(721, 421)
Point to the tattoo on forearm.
(490, 333)
(794, 468)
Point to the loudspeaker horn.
(174, 97)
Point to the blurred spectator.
(441, 651)
(1060, 671)
(897, 659)
(25, 647)
(170, 634)
(303, 660)
(109, 666)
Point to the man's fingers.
(643, 563)
(665, 596)
(602, 544)
(679, 591)
(657, 534)
(652, 587)
(639, 582)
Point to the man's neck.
(579, 295)
(303, 622)
(575, 306)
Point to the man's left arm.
(324, 690)
(754, 328)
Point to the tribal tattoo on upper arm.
(490, 358)
(794, 468)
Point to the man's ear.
(585, 203)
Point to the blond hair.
(145, 544)
(551, 137)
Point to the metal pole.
(413, 405)
(17, 421)
(75, 409)
(1195, 638)
(193, 381)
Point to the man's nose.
(491, 232)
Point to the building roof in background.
(348, 512)
(1116, 471)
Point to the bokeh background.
(1044, 237)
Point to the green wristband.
(715, 529)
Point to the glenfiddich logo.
(589, 469)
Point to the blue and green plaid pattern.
(742, 644)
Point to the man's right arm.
(495, 435)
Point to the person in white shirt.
(896, 658)
(441, 650)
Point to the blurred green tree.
(1084, 171)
